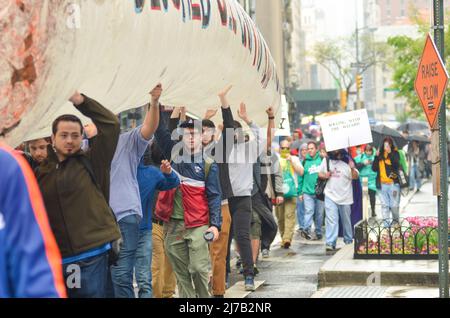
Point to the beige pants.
(286, 218)
(163, 277)
(218, 253)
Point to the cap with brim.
(191, 123)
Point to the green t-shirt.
(178, 211)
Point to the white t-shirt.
(339, 187)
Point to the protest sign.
(346, 130)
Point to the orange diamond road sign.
(431, 81)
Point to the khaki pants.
(218, 253)
(163, 278)
(286, 218)
(188, 253)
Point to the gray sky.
(339, 15)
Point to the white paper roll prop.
(116, 51)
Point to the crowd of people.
(161, 204)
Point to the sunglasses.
(285, 148)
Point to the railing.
(410, 238)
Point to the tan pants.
(286, 218)
(163, 277)
(218, 253)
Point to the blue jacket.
(201, 193)
(30, 261)
(150, 178)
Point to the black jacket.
(392, 170)
(78, 211)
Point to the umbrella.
(419, 138)
(413, 126)
(381, 131)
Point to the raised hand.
(210, 113)
(166, 168)
(225, 91)
(156, 94)
(242, 113)
(223, 96)
(183, 111)
(76, 98)
(270, 112)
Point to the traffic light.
(359, 82)
(343, 99)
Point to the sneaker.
(249, 283)
(305, 235)
(265, 253)
(330, 248)
(318, 237)
(255, 270)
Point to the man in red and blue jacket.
(191, 210)
(30, 261)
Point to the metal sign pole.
(443, 191)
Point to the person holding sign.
(338, 196)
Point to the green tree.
(405, 62)
(337, 55)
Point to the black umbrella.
(419, 138)
(381, 131)
(413, 126)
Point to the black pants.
(269, 227)
(241, 218)
(373, 198)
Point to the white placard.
(346, 130)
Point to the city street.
(293, 273)
(146, 145)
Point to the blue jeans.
(414, 177)
(390, 202)
(122, 273)
(313, 210)
(144, 264)
(301, 214)
(333, 213)
(92, 278)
